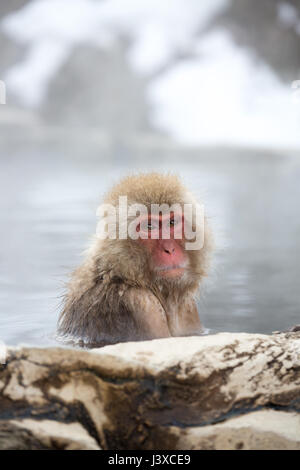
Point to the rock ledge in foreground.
(225, 391)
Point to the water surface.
(48, 205)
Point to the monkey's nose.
(168, 247)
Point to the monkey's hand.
(183, 319)
(148, 313)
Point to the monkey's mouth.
(176, 270)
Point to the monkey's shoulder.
(141, 297)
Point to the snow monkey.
(142, 272)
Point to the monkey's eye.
(148, 226)
(153, 226)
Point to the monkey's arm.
(149, 316)
(103, 313)
(184, 319)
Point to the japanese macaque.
(132, 288)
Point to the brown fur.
(114, 296)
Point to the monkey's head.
(156, 233)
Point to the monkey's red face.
(163, 239)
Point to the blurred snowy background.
(209, 72)
(96, 89)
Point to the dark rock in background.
(98, 88)
(256, 26)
